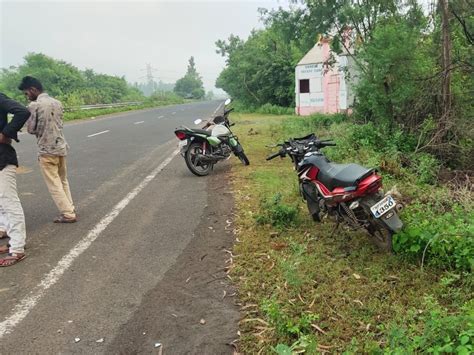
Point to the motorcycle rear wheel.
(381, 236)
(194, 166)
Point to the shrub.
(445, 238)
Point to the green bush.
(275, 110)
(426, 167)
(319, 120)
(446, 238)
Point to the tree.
(190, 86)
(415, 71)
(66, 82)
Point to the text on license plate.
(182, 144)
(383, 206)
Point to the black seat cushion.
(342, 175)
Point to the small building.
(320, 87)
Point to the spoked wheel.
(381, 236)
(191, 158)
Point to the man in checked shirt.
(46, 123)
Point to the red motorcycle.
(348, 192)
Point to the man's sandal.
(12, 259)
(63, 219)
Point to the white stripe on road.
(161, 116)
(139, 122)
(96, 134)
(22, 309)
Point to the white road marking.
(96, 134)
(139, 122)
(23, 308)
(161, 116)
(218, 107)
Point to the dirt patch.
(192, 309)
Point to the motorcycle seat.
(201, 131)
(334, 175)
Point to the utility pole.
(151, 85)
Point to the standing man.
(11, 211)
(46, 123)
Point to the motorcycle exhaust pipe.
(209, 158)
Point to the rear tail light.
(181, 135)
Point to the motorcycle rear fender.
(193, 138)
(390, 219)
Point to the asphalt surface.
(82, 308)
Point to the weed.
(276, 213)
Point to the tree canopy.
(415, 66)
(190, 86)
(67, 83)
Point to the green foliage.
(426, 167)
(67, 83)
(391, 89)
(368, 302)
(441, 332)
(275, 110)
(276, 213)
(285, 325)
(260, 70)
(446, 237)
(190, 86)
(398, 74)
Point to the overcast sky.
(121, 37)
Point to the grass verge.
(305, 288)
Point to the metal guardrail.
(90, 107)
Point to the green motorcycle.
(202, 148)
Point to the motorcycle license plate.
(182, 144)
(383, 206)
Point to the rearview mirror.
(228, 101)
(198, 121)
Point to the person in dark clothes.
(10, 205)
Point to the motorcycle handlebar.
(274, 155)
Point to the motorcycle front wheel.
(243, 158)
(239, 153)
(191, 158)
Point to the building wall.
(328, 89)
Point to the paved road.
(138, 210)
